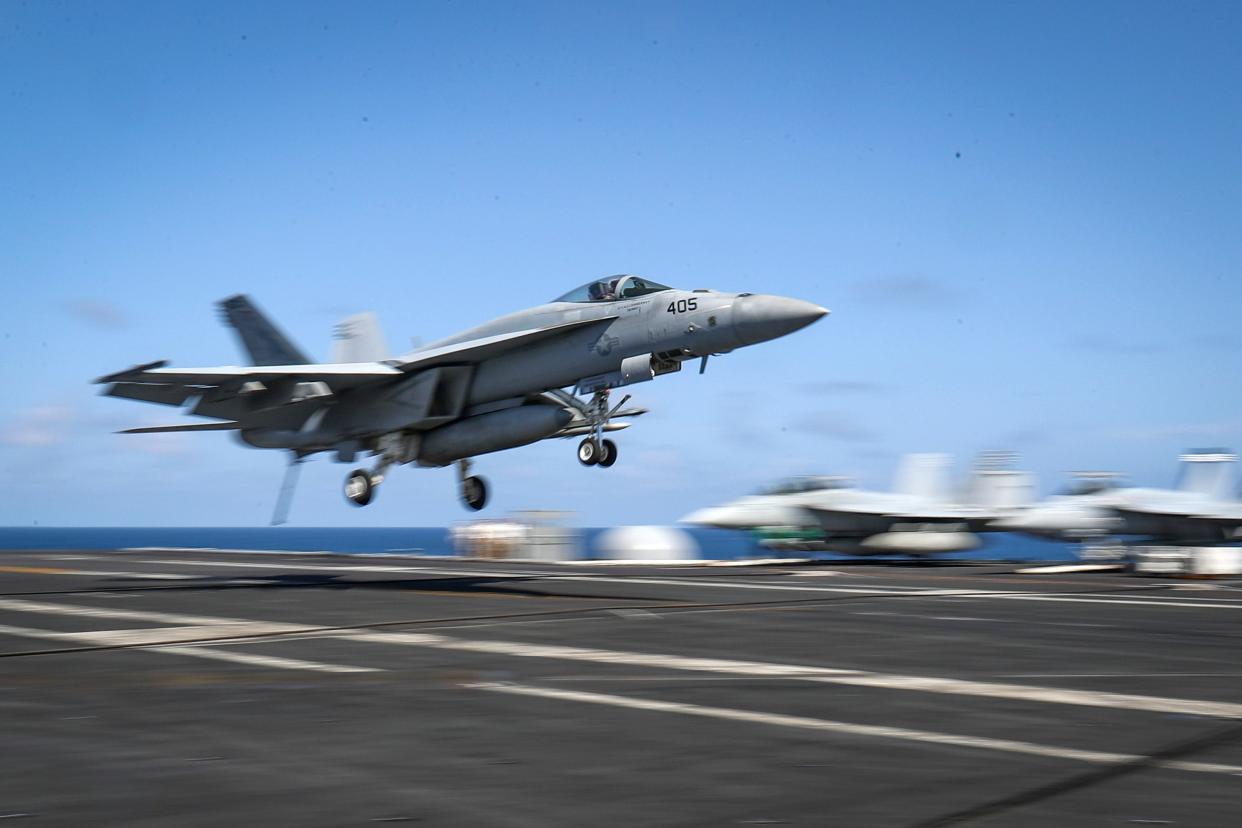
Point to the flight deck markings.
(48, 570)
(885, 591)
(851, 729)
(830, 675)
(266, 631)
(22, 605)
(151, 640)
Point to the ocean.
(713, 544)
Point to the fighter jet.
(1079, 512)
(1198, 510)
(921, 515)
(542, 372)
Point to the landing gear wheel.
(474, 493)
(607, 453)
(588, 452)
(359, 488)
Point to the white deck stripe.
(141, 639)
(849, 729)
(831, 675)
(100, 573)
(926, 684)
(1151, 602)
(266, 661)
(19, 605)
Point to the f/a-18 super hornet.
(1200, 509)
(542, 372)
(921, 515)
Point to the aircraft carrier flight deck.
(159, 687)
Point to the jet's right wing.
(476, 350)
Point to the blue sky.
(1025, 219)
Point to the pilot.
(602, 291)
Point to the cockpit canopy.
(796, 485)
(1089, 483)
(612, 288)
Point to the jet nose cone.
(760, 318)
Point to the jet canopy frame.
(612, 288)
(807, 483)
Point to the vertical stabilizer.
(1001, 490)
(262, 341)
(996, 486)
(358, 338)
(923, 475)
(1207, 472)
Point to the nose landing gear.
(359, 488)
(361, 485)
(595, 450)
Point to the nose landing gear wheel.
(359, 488)
(607, 453)
(474, 493)
(588, 452)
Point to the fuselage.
(591, 345)
(675, 324)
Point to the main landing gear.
(603, 453)
(361, 485)
(473, 487)
(595, 450)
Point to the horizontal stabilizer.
(153, 392)
(130, 373)
(166, 429)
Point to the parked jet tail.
(261, 340)
(997, 486)
(923, 475)
(359, 339)
(1208, 473)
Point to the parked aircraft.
(1199, 509)
(493, 387)
(921, 515)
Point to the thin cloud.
(1220, 430)
(1027, 437)
(1218, 342)
(906, 293)
(844, 387)
(835, 425)
(40, 426)
(1112, 346)
(97, 313)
